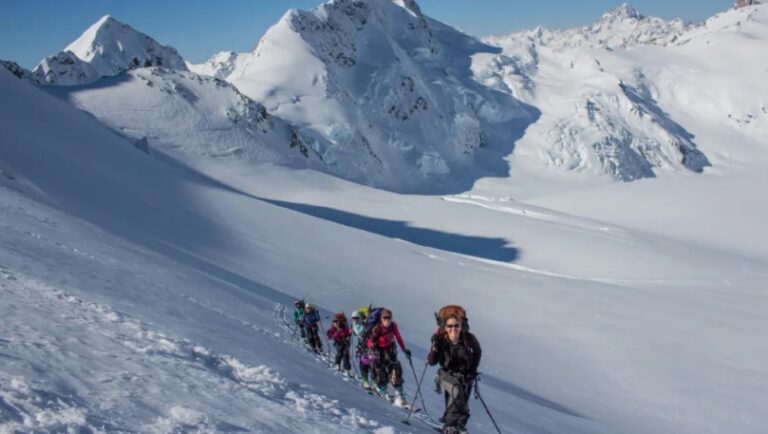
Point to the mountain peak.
(623, 12)
(220, 65)
(744, 3)
(106, 49)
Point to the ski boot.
(382, 390)
(400, 396)
(366, 385)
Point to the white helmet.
(355, 314)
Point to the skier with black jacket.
(458, 353)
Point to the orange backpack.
(452, 310)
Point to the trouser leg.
(365, 370)
(345, 357)
(339, 352)
(395, 373)
(301, 330)
(314, 337)
(456, 404)
(380, 369)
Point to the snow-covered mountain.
(146, 267)
(16, 69)
(141, 296)
(161, 105)
(635, 106)
(389, 91)
(220, 65)
(745, 3)
(106, 49)
(377, 92)
(621, 27)
(190, 116)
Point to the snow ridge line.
(26, 405)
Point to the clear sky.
(33, 29)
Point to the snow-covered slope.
(106, 49)
(161, 311)
(192, 117)
(390, 93)
(170, 109)
(636, 107)
(220, 65)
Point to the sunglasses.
(386, 317)
(453, 326)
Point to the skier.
(387, 368)
(311, 321)
(341, 335)
(458, 353)
(298, 317)
(358, 329)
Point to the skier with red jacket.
(341, 334)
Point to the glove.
(407, 354)
(470, 378)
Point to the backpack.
(341, 318)
(364, 311)
(371, 321)
(452, 310)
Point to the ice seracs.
(106, 49)
(600, 99)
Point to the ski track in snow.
(31, 404)
(595, 228)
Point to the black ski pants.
(387, 368)
(456, 400)
(301, 326)
(313, 337)
(342, 354)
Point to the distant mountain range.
(377, 92)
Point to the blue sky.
(30, 30)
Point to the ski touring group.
(375, 356)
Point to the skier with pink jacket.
(341, 335)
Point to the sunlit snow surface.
(144, 292)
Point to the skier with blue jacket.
(312, 326)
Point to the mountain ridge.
(106, 49)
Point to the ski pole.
(349, 350)
(407, 420)
(327, 345)
(477, 395)
(418, 389)
(294, 328)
